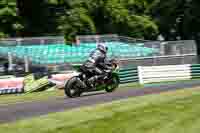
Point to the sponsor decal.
(29, 84)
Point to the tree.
(102, 17)
(180, 16)
(38, 20)
(9, 21)
(131, 21)
(76, 21)
(73, 17)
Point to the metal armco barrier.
(129, 74)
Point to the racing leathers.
(94, 66)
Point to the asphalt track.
(10, 113)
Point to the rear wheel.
(114, 83)
(72, 88)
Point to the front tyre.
(72, 88)
(113, 84)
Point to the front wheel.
(114, 83)
(72, 88)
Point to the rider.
(97, 58)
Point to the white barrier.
(160, 75)
(165, 68)
(152, 74)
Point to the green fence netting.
(61, 53)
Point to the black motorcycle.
(76, 85)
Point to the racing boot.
(91, 81)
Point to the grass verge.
(20, 98)
(169, 112)
(170, 82)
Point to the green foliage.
(9, 21)
(2, 35)
(136, 18)
(131, 21)
(38, 19)
(180, 15)
(76, 21)
(75, 17)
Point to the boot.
(91, 82)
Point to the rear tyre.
(72, 89)
(114, 83)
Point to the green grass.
(171, 112)
(20, 98)
(170, 82)
(130, 86)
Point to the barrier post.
(10, 61)
(139, 68)
(26, 60)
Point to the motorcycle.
(76, 85)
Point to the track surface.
(10, 113)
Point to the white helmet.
(102, 47)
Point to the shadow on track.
(88, 94)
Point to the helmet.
(102, 47)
